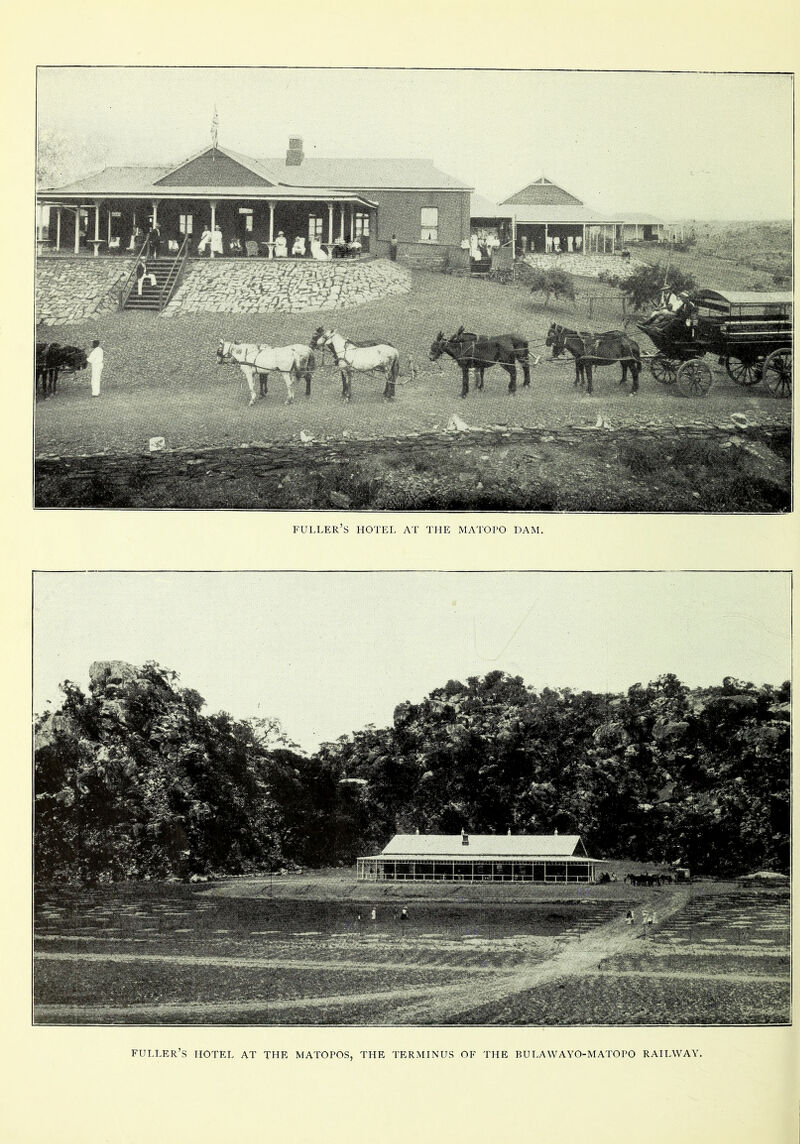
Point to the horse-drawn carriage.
(751, 334)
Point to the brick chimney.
(294, 156)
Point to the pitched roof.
(559, 214)
(543, 193)
(479, 207)
(115, 180)
(144, 182)
(559, 846)
(319, 175)
(643, 219)
(369, 174)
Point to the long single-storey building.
(480, 858)
(252, 201)
(549, 220)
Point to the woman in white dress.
(216, 241)
(280, 245)
(317, 251)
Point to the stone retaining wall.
(274, 453)
(262, 286)
(585, 265)
(78, 289)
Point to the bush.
(555, 283)
(643, 288)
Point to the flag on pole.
(215, 128)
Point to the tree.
(61, 158)
(555, 283)
(643, 288)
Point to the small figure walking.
(629, 918)
(404, 914)
(95, 360)
(374, 914)
(393, 248)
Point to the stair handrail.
(127, 286)
(170, 282)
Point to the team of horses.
(590, 350)
(649, 879)
(472, 353)
(53, 359)
(479, 352)
(257, 360)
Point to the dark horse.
(597, 349)
(479, 352)
(51, 359)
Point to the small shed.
(480, 858)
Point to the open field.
(730, 255)
(161, 379)
(305, 951)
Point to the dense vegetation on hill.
(133, 780)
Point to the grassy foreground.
(537, 451)
(307, 951)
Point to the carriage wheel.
(743, 373)
(778, 373)
(695, 378)
(663, 369)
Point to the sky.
(328, 653)
(679, 145)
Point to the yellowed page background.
(82, 1085)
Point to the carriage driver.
(672, 306)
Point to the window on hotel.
(361, 225)
(429, 224)
(315, 224)
(247, 215)
(186, 224)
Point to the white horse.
(292, 362)
(377, 357)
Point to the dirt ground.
(247, 952)
(162, 380)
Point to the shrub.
(643, 287)
(555, 283)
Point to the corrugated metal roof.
(142, 181)
(115, 180)
(543, 193)
(479, 207)
(369, 174)
(557, 214)
(483, 846)
(321, 175)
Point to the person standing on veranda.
(95, 360)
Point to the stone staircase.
(154, 298)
